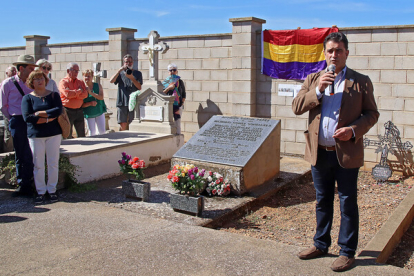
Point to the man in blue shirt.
(341, 109)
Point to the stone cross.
(98, 73)
(152, 48)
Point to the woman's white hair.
(70, 65)
(42, 61)
(172, 66)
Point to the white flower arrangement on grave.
(217, 185)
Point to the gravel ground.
(289, 216)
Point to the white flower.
(209, 179)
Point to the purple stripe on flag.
(291, 70)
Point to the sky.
(87, 20)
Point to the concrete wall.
(222, 74)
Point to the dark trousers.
(76, 119)
(24, 159)
(326, 171)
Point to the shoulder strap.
(18, 86)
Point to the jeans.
(326, 171)
(24, 159)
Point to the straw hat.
(25, 59)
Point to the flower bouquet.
(217, 185)
(124, 164)
(137, 167)
(134, 166)
(134, 188)
(187, 179)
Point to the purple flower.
(195, 170)
(119, 161)
(190, 171)
(123, 162)
(128, 157)
(192, 177)
(124, 153)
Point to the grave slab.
(244, 150)
(97, 156)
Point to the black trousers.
(76, 119)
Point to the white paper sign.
(289, 90)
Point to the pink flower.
(210, 173)
(192, 177)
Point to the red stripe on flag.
(301, 37)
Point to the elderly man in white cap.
(11, 93)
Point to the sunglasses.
(172, 70)
(47, 68)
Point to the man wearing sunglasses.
(128, 81)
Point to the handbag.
(63, 121)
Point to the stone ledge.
(123, 29)
(36, 36)
(246, 19)
(78, 43)
(186, 36)
(383, 243)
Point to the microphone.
(332, 68)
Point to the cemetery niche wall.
(244, 150)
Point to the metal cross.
(152, 48)
(390, 142)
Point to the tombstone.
(154, 113)
(152, 48)
(246, 151)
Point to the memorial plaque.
(381, 173)
(151, 113)
(227, 140)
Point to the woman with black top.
(40, 110)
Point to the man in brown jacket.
(341, 109)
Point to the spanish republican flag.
(294, 54)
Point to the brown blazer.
(358, 110)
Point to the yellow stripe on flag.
(294, 53)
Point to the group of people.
(31, 102)
(340, 103)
